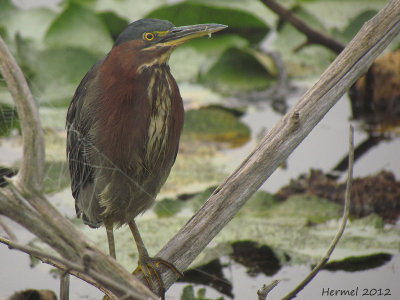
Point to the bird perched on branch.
(123, 129)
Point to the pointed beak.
(178, 35)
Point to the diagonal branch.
(277, 145)
(313, 35)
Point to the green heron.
(123, 129)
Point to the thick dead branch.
(313, 36)
(276, 146)
(30, 175)
(79, 269)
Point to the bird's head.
(151, 41)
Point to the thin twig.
(265, 289)
(342, 227)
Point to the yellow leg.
(148, 265)
(109, 224)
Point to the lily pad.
(237, 71)
(356, 23)
(314, 209)
(215, 124)
(79, 27)
(114, 23)
(198, 55)
(336, 14)
(240, 22)
(58, 73)
(32, 23)
(359, 263)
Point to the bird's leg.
(148, 265)
(109, 224)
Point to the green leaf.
(58, 73)
(128, 9)
(114, 23)
(215, 124)
(316, 210)
(237, 71)
(336, 14)
(201, 54)
(188, 293)
(31, 23)
(79, 27)
(355, 24)
(240, 22)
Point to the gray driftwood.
(24, 202)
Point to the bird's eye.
(148, 36)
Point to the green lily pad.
(258, 205)
(198, 55)
(314, 209)
(310, 61)
(114, 23)
(79, 27)
(128, 9)
(240, 22)
(336, 14)
(359, 263)
(215, 124)
(356, 23)
(32, 23)
(238, 71)
(58, 73)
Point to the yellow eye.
(148, 36)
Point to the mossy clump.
(215, 124)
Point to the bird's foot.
(149, 267)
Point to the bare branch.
(276, 146)
(313, 35)
(342, 226)
(30, 175)
(84, 268)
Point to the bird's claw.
(149, 266)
